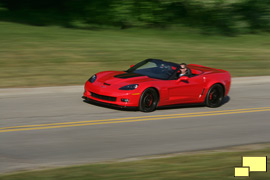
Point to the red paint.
(170, 91)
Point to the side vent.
(202, 91)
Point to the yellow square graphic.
(241, 172)
(256, 164)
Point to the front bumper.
(112, 97)
(92, 101)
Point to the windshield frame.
(158, 62)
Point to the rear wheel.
(148, 100)
(214, 96)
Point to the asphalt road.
(52, 127)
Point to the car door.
(186, 91)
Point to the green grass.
(47, 56)
(207, 165)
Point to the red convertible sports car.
(154, 83)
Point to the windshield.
(154, 68)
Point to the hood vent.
(128, 75)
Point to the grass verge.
(210, 165)
(48, 56)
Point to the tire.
(148, 100)
(215, 96)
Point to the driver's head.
(183, 67)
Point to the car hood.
(121, 78)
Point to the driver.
(184, 71)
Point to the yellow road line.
(130, 119)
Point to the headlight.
(129, 87)
(92, 79)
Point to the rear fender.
(223, 79)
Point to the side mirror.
(131, 66)
(183, 78)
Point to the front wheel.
(148, 100)
(214, 96)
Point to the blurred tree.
(210, 15)
(256, 13)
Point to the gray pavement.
(21, 150)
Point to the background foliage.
(228, 17)
(64, 42)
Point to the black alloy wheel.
(148, 100)
(215, 96)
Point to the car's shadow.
(226, 100)
(178, 106)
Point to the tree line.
(224, 16)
